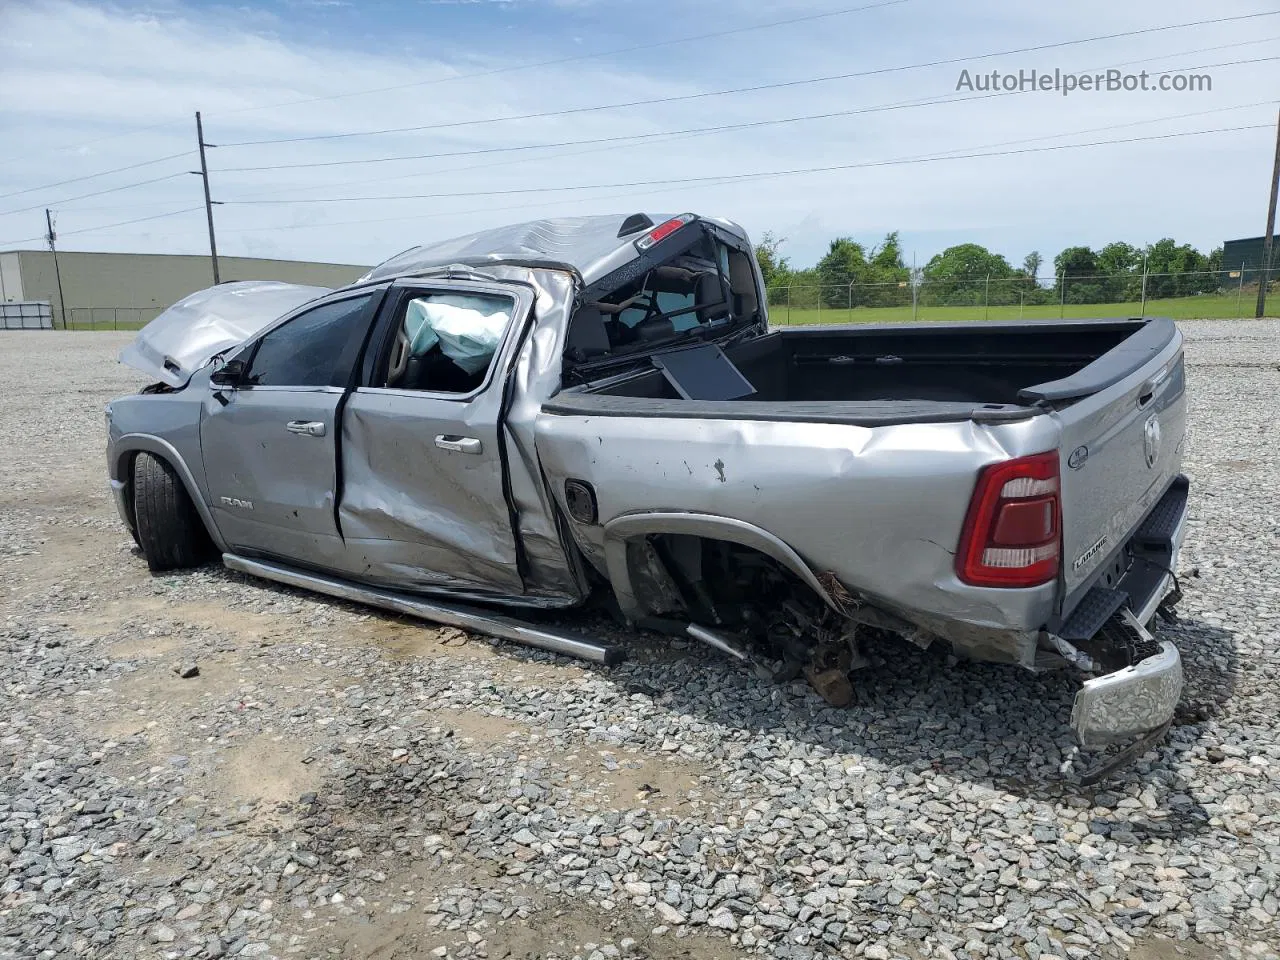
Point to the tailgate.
(1121, 446)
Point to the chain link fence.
(108, 318)
(1222, 294)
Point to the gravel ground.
(335, 782)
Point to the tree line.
(851, 274)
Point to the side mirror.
(230, 374)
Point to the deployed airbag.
(467, 328)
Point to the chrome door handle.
(447, 441)
(306, 428)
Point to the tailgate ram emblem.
(1151, 440)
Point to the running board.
(450, 614)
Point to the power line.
(765, 174)
(751, 89)
(577, 57)
(105, 226)
(919, 158)
(395, 158)
(674, 135)
(486, 73)
(92, 176)
(86, 196)
(622, 138)
(659, 137)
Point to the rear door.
(424, 499)
(1121, 449)
(269, 445)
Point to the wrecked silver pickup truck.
(536, 415)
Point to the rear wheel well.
(716, 582)
(677, 579)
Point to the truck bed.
(993, 365)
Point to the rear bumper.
(1130, 702)
(1140, 698)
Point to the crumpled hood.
(183, 338)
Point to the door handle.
(447, 441)
(306, 428)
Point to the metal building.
(1246, 254)
(125, 290)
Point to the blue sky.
(89, 87)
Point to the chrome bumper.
(1129, 702)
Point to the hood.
(186, 336)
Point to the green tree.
(1121, 264)
(844, 263)
(890, 278)
(1032, 263)
(959, 275)
(774, 267)
(887, 257)
(1029, 287)
(1077, 270)
(1177, 270)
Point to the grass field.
(1208, 307)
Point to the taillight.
(663, 230)
(1013, 532)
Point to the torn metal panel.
(184, 337)
(851, 496)
(535, 376)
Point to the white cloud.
(112, 86)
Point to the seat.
(708, 290)
(588, 337)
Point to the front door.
(424, 501)
(269, 445)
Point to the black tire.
(169, 530)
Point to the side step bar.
(450, 614)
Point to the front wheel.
(169, 529)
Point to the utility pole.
(1264, 273)
(1145, 259)
(208, 203)
(57, 271)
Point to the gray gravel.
(201, 765)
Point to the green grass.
(123, 325)
(1208, 307)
